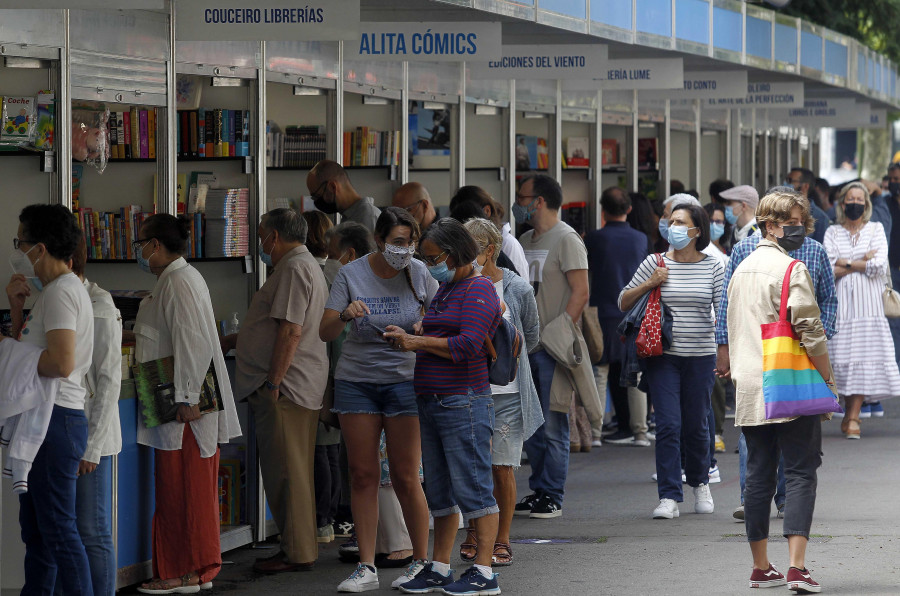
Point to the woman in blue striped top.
(456, 411)
(681, 380)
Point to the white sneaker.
(361, 580)
(703, 501)
(596, 443)
(714, 475)
(667, 509)
(655, 478)
(641, 440)
(414, 568)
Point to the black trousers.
(328, 483)
(800, 442)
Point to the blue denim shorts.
(393, 399)
(456, 454)
(506, 446)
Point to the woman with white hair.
(862, 350)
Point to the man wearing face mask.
(803, 182)
(329, 185)
(740, 210)
(803, 248)
(282, 368)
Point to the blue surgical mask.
(678, 237)
(663, 228)
(265, 257)
(441, 272)
(716, 230)
(730, 217)
(143, 263)
(21, 264)
(522, 213)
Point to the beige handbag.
(593, 334)
(891, 299)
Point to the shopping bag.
(791, 384)
(649, 338)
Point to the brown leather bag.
(593, 334)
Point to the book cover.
(209, 141)
(113, 137)
(543, 154)
(77, 173)
(120, 132)
(18, 119)
(155, 388)
(192, 122)
(201, 132)
(217, 133)
(151, 133)
(145, 139)
(185, 135)
(526, 152)
(181, 193)
(245, 134)
(646, 154)
(610, 152)
(578, 153)
(231, 135)
(46, 118)
(135, 133)
(126, 127)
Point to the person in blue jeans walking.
(61, 322)
(813, 255)
(681, 379)
(456, 410)
(95, 486)
(558, 271)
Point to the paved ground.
(616, 549)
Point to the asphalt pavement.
(606, 542)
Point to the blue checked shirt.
(813, 255)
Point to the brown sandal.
(469, 544)
(502, 556)
(852, 431)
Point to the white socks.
(485, 571)
(442, 568)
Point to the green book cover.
(154, 384)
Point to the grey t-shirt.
(364, 212)
(366, 357)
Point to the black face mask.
(324, 206)
(793, 237)
(854, 211)
(894, 188)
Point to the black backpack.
(503, 353)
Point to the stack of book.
(227, 232)
(364, 147)
(209, 132)
(109, 234)
(297, 147)
(132, 134)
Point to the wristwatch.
(341, 316)
(271, 386)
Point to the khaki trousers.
(286, 439)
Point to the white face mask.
(478, 267)
(22, 265)
(398, 257)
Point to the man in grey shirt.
(329, 185)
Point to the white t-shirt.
(65, 304)
(514, 386)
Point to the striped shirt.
(465, 312)
(859, 294)
(689, 293)
(813, 256)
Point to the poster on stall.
(431, 130)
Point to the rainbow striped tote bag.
(791, 384)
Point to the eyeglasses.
(316, 194)
(412, 207)
(138, 245)
(431, 261)
(17, 243)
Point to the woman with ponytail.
(374, 384)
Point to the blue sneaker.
(865, 411)
(472, 583)
(877, 409)
(427, 580)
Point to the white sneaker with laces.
(414, 568)
(667, 509)
(596, 443)
(362, 579)
(714, 475)
(703, 501)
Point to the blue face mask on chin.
(730, 217)
(441, 272)
(265, 257)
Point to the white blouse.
(177, 319)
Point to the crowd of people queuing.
(364, 360)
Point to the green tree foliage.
(876, 23)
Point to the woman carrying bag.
(782, 355)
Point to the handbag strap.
(660, 262)
(785, 290)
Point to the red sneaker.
(770, 578)
(800, 582)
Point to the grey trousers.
(800, 442)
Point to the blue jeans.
(548, 447)
(456, 454)
(680, 388)
(388, 399)
(47, 511)
(779, 487)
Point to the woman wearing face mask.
(717, 225)
(373, 384)
(61, 324)
(517, 408)
(681, 379)
(862, 349)
(177, 320)
(456, 411)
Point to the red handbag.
(649, 337)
